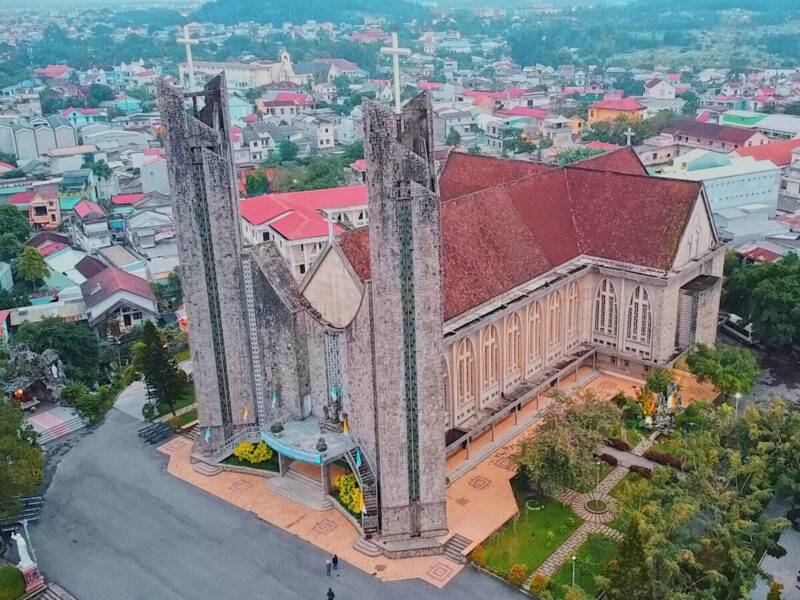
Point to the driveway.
(133, 398)
(116, 525)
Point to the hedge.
(619, 444)
(612, 460)
(640, 470)
(664, 459)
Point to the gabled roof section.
(110, 281)
(498, 234)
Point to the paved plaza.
(116, 525)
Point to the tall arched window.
(465, 373)
(606, 309)
(573, 302)
(513, 344)
(554, 320)
(535, 331)
(640, 318)
(491, 357)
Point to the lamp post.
(737, 395)
(598, 474)
(574, 558)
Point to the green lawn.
(187, 398)
(12, 585)
(182, 355)
(634, 436)
(531, 537)
(188, 417)
(589, 484)
(593, 558)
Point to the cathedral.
(467, 294)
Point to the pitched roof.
(709, 131)
(125, 199)
(23, 197)
(85, 207)
(598, 145)
(260, 209)
(652, 83)
(44, 238)
(111, 280)
(89, 267)
(521, 225)
(780, 153)
(302, 223)
(339, 63)
(523, 111)
(622, 104)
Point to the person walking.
(331, 595)
(328, 567)
(335, 562)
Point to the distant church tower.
(209, 248)
(406, 265)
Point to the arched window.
(535, 330)
(573, 302)
(554, 320)
(606, 309)
(513, 344)
(465, 373)
(491, 357)
(640, 317)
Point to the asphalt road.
(116, 526)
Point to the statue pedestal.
(33, 579)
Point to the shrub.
(664, 459)
(252, 453)
(539, 584)
(517, 575)
(174, 422)
(148, 411)
(276, 428)
(12, 585)
(349, 492)
(618, 444)
(479, 555)
(633, 411)
(640, 470)
(612, 460)
(620, 399)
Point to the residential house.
(612, 109)
(658, 88)
(154, 176)
(779, 126)
(123, 297)
(340, 66)
(75, 186)
(690, 134)
(40, 205)
(81, 116)
(90, 227)
(73, 157)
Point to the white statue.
(22, 549)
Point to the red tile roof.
(623, 160)
(523, 111)
(6, 166)
(124, 199)
(598, 145)
(359, 165)
(780, 153)
(429, 85)
(23, 197)
(467, 173)
(86, 207)
(111, 280)
(621, 104)
(89, 267)
(708, 131)
(302, 99)
(50, 248)
(54, 71)
(153, 151)
(300, 224)
(260, 209)
(523, 225)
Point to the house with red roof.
(112, 295)
(611, 109)
(82, 116)
(299, 223)
(40, 205)
(54, 71)
(693, 133)
(90, 226)
(5, 168)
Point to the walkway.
(553, 563)
(133, 398)
(627, 459)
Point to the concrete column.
(283, 464)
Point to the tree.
(21, 467)
(101, 170)
(9, 159)
(561, 454)
(453, 138)
(31, 266)
(692, 102)
(74, 390)
(10, 247)
(75, 344)
(152, 360)
(14, 222)
(629, 575)
(474, 149)
(257, 183)
(99, 93)
(287, 150)
(570, 156)
(170, 293)
(775, 591)
(729, 368)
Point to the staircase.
(370, 519)
(301, 489)
(206, 469)
(366, 547)
(454, 548)
(61, 430)
(190, 433)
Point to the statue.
(22, 550)
(667, 407)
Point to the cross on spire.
(628, 135)
(187, 41)
(395, 51)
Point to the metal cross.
(395, 51)
(628, 135)
(187, 41)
